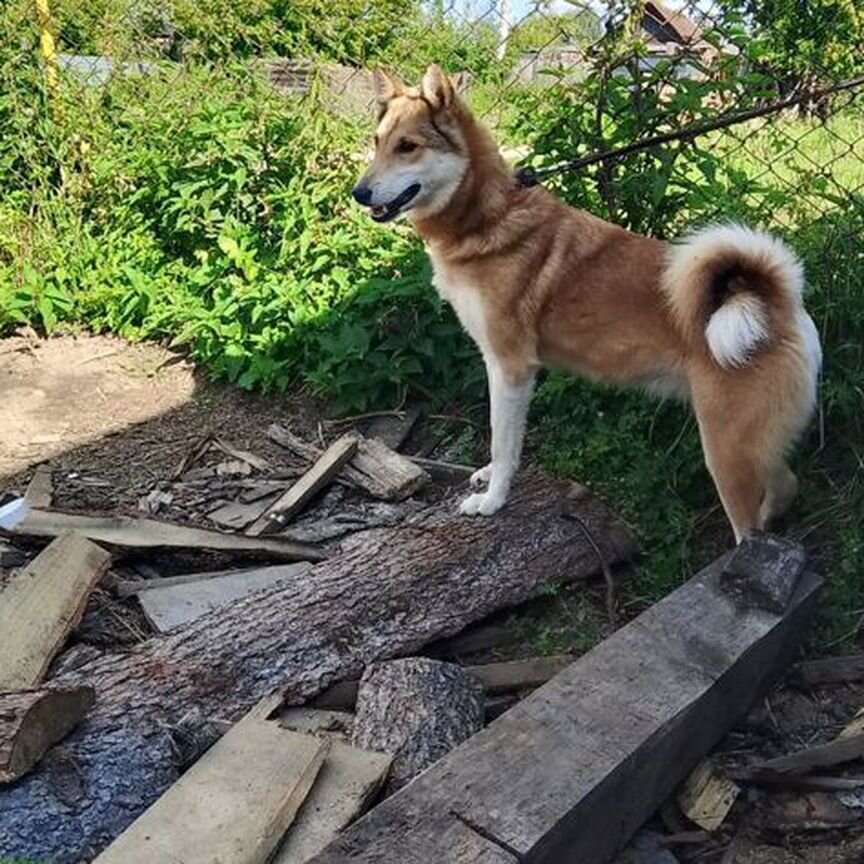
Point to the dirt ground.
(114, 419)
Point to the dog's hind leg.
(781, 491)
(509, 399)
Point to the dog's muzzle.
(386, 212)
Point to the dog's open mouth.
(386, 212)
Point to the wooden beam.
(626, 722)
(126, 532)
(42, 603)
(232, 806)
(324, 469)
(31, 721)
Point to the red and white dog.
(716, 318)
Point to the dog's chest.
(467, 303)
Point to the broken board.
(168, 606)
(626, 722)
(42, 603)
(150, 533)
(232, 806)
(347, 783)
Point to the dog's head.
(420, 150)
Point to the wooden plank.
(130, 587)
(496, 678)
(626, 722)
(375, 467)
(31, 721)
(393, 428)
(42, 603)
(169, 606)
(349, 780)
(325, 468)
(236, 515)
(829, 670)
(836, 752)
(126, 532)
(232, 806)
(40, 490)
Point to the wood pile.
(288, 694)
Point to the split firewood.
(822, 756)
(376, 468)
(392, 590)
(707, 796)
(125, 532)
(392, 427)
(626, 722)
(41, 605)
(325, 468)
(31, 721)
(418, 710)
(202, 818)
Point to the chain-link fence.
(151, 144)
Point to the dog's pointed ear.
(387, 87)
(436, 87)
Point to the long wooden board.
(42, 603)
(150, 533)
(324, 469)
(232, 806)
(172, 605)
(625, 723)
(348, 781)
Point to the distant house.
(554, 62)
(672, 35)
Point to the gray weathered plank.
(169, 606)
(625, 723)
(130, 587)
(149, 533)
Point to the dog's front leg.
(509, 398)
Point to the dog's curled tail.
(738, 290)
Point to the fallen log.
(385, 593)
(31, 721)
(418, 710)
(572, 772)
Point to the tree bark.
(384, 594)
(418, 710)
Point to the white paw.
(480, 478)
(482, 504)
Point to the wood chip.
(169, 606)
(233, 468)
(148, 533)
(233, 806)
(42, 603)
(256, 462)
(31, 721)
(325, 468)
(707, 796)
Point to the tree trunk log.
(418, 710)
(386, 593)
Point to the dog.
(716, 318)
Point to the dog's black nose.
(362, 194)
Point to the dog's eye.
(405, 146)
